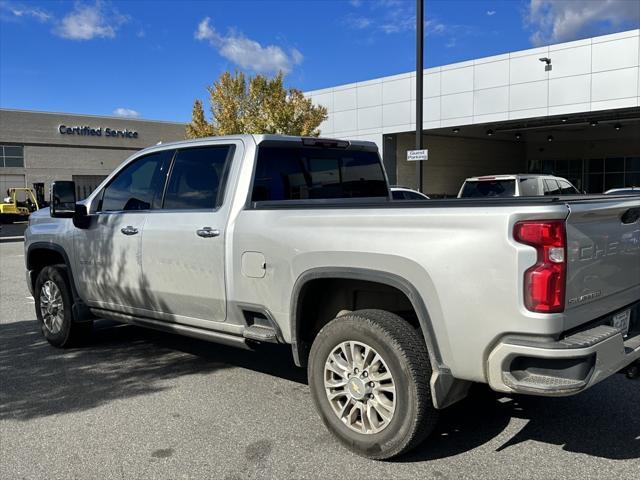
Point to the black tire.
(404, 351)
(70, 333)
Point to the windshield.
(489, 188)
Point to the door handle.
(207, 232)
(129, 230)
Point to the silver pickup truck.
(395, 308)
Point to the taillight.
(544, 283)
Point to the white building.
(506, 114)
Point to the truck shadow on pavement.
(602, 422)
(37, 380)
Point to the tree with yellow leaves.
(259, 105)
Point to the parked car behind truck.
(259, 238)
(526, 185)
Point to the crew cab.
(395, 308)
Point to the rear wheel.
(369, 375)
(54, 309)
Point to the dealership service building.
(575, 114)
(578, 118)
(37, 147)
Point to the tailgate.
(603, 246)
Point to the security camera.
(547, 62)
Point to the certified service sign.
(97, 132)
(417, 155)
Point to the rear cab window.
(489, 188)
(308, 173)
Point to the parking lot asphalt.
(140, 404)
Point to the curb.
(11, 239)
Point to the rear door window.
(489, 188)
(300, 173)
(139, 185)
(196, 178)
(551, 187)
(567, 189)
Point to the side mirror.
(63, 199)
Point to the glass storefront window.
(632, 164)
(593, 175)
(614, 165)
(594, 165)
(11, 156)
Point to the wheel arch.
(392, 280)
(43, 254)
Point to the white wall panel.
(617, 103)
(528, 113)
(345, 121)
(457, 105)
(489, 75)
(570, 61)
(526, 69)
(621, 53)
(456, 122)
(326, 127)
(396, 91)
(369, 95)
(568, 109)
(567, 90)
(491, 117)
(324, 99)
(528, 95)
(396, 113)
(430, 85)
(370, 117)
(614, 84)
(430, 110)
(491, 100)
(344, 99)
(457, 80)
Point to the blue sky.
(151, 59)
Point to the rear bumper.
(563, 367)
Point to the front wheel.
(54, 309)
(369, 375)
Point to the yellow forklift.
(18, 205)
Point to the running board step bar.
(208, 335)
(259, 333)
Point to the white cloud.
(355, 3)
(126, 112)
(17, 11)
(356, 22)
(491, 13)
(566, 20)
(86, 22)
(246, 53)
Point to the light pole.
(419, 80)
